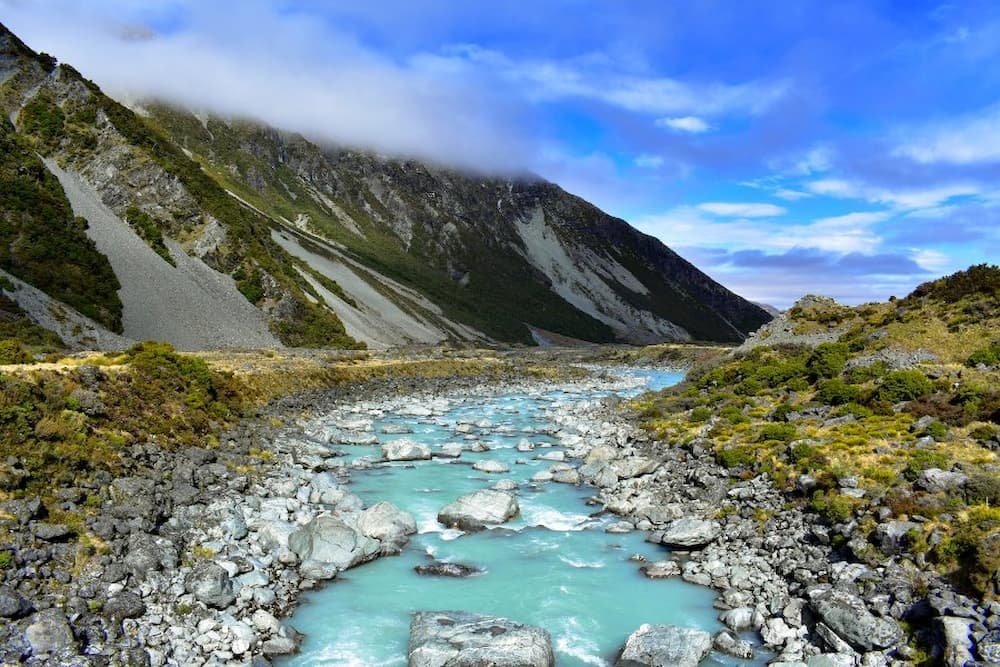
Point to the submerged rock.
(455, 638)
(442, 569)
(477, 510)
(665, 646)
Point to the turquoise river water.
(554, 566)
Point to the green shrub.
(922, 459)
(149, 231)
(827, 360)
(857, 410)
(936, 430)
(733, 415)
(777, 432)
(904, 386)
(42, 118)
(801, 452)
(6, 560)
(837, 392)
(984, 432)
(12, 352)
(983, 488)
(739, 456)
(781, 412)
(700, 414)
(833, 506)
(988, 356)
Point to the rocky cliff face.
(333, 246)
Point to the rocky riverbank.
(201, 552)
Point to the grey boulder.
(849, 618)
(210, 584)
(331, 541)
(462, 639)
(13, 604)
(665, 646)
(388, 524)
(689, 533)
(476, 510)
(405, 449)
(49, 632)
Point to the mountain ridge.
(452, 256)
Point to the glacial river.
(554, 566)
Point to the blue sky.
(844, 148)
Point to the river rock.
(571, 476)
(388, 524)
(665, 646)
(690, 533)
(405, 449)
(49, 632)
(450, 450)
(634, 466)
(506, 485)
(956, 633)
(728, 642)
(491, 466)
(847, 615)
(210, 584)
(661, 569)
(442, 569)
(331, 541)
(454, 639)
(477, 510)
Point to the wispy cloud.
(901, 198)
(647, 161)
(690, 124)
(742, 209)
(968, 139)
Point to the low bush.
(827, 360)
(838, 392)
(833, 506)
(777, 432)
(740, 456)
(700, 414)
(988, 356)
(900, 386)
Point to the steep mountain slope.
(228, 233)
(210, 258)
(499, 254)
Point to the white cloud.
(932, 260)
(970, 139)
(648, 161)
(742, 209)
(595, 78)
(688, 226)
(691, 124)
(790, 195)
(904, 199)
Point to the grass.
(765, 406)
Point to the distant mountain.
(212, 232)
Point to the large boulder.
(893, 537)
(48, 632)
(665, 646)
(847, 615)
(462, 639)
(491, 466)
(479, 509)
(332, 542)
(388, 524)
(936, 480)
(405, 449)
(444, 569)
(689, 533)
(210, 583)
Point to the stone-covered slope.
(498, 254)
(149, 184)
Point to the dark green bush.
(827, 360)
(837, 392)
(904, 386)
(781, 412)
(149, 231)
(983, 489)
(700, 414)
(833, 506)
(12, 352)
(736, 456)
(988, 356)
(778, 432)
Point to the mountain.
(219, 232)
